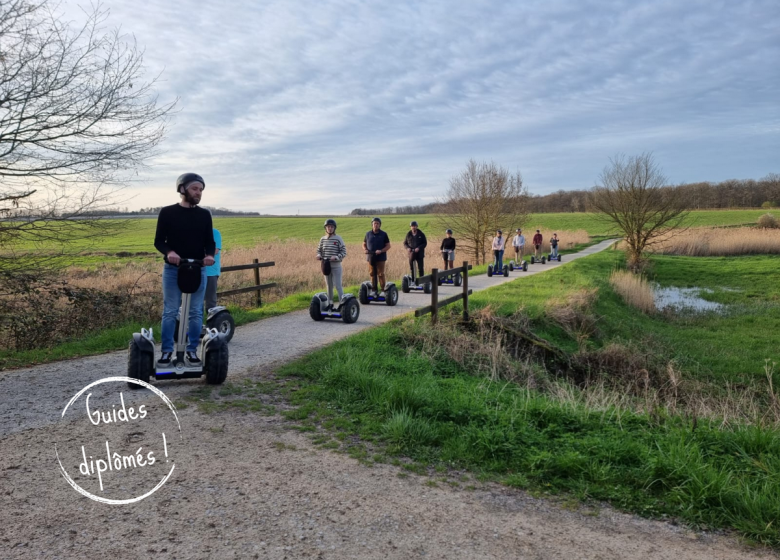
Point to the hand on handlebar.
(208, 261)
(174, 258)
(379, 251)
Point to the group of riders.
(376, 244)
(185, 231)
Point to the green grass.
(138, 234)
(381, 387)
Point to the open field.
(663, 414)
(137, 236)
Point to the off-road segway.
(534, 260)
(409, 281)
(551, 258)
(494, 270)
(218, 317)
(522, 265)
(348, 310)
(369, 290)
(455, 279)
(213, 346)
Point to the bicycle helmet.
(377, 220)
(449, 231)
(187, 178)
(414, 223)
(330, 222)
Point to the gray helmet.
(377, 220)
(185, 179)
(330, 222)
(449, 231)
(413, 223)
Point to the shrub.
(767, 221)
(769, 204)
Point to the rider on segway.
(184, 231)
(415, 244)
(376, 244)
(331, 251)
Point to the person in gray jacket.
(331, 251)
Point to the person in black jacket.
(415, 244)
(448, 250)
(184, 231)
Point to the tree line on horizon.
(732, 193)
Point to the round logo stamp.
(115, 445)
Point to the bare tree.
(77, 120)
(632, 197)
(483, 198)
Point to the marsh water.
(684, 298)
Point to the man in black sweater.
(184, 231)
(415, 244)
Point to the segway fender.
(143, 344)
(213, 341)
(213, 311)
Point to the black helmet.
(499, 231)
(449, 231)
(377, 220)
(330, 222)
(187, 178)
(413, 223)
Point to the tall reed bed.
(634, 289)
(721, 242)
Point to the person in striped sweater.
(331, 251)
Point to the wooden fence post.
(435, 295)
(465, 290)
(257, 283)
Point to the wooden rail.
(434, 278)
(258, 287)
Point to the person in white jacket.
(499, 243)
(519, 244)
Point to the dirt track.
(248, 486)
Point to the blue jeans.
(171, 304)
(499, 259)
(554, 252)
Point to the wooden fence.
(434, 277)
(258, 287)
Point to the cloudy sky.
(323, 106)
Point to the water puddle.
(684, 299)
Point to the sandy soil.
(247, 486)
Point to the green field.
(392, 388)
(137, 235)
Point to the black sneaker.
(192, 357)
(165, 359)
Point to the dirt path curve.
(247, 486)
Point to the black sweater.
(418, 241)
(188, 231)
(448, 243)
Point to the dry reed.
(634, 289)
(721, 242)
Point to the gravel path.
(247, 486)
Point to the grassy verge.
(411, 391)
